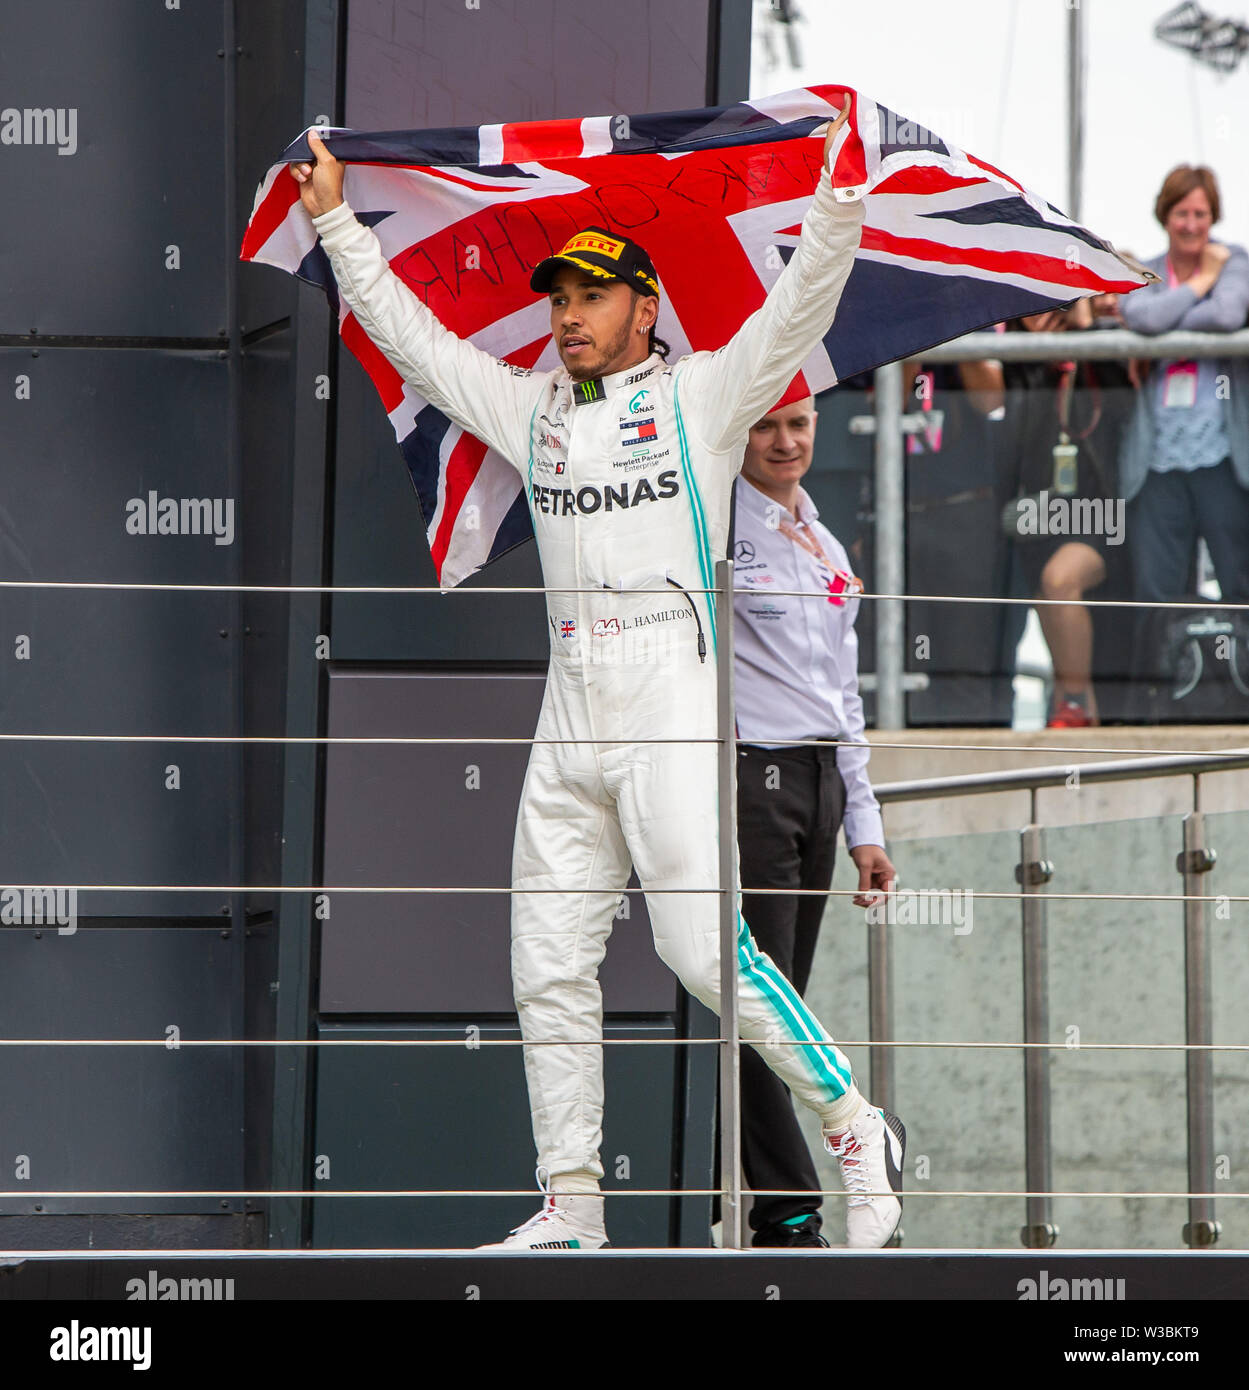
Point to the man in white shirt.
(797, 678)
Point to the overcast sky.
(990, 75)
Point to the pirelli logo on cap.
(594, 241)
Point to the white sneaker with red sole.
(567, 1221)
(869, 1152)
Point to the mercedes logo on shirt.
(743, 552)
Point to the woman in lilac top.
(1184, 465)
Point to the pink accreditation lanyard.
(841, 583)
(1179, 386)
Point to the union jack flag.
(717, 196)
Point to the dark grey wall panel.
(265, 537)
(305, 525)
(159, 160)
(100, 429)
(379, 539)
(458, 1118)
(268, 112)
(177, 114)
(100, 813)
(121, 1119)
(728, 78)
(266, 522)
(109, 1231)
(85, 232)
(417, 63)
(403, 815)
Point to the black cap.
(601, 253)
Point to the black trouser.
(790, 803)
(1166, 517)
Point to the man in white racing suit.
(628, 463)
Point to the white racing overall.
(629, 491)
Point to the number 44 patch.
(606, 627)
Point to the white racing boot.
(567, 1221)
(869, 1152)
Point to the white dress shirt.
(797, 659)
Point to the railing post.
(890, 548)
(730, 1048)
(1194, 861)
(1076, 75)
(880, 1021)
(880, 1012)
(1032, 873)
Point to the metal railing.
(1195, 857)
(890, 535)
(1032, 873)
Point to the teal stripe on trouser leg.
(701, 542)
(826, 1063)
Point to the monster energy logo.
(586, 391)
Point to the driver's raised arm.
(482, 394)
(730, 389)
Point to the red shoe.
(1069, 715)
